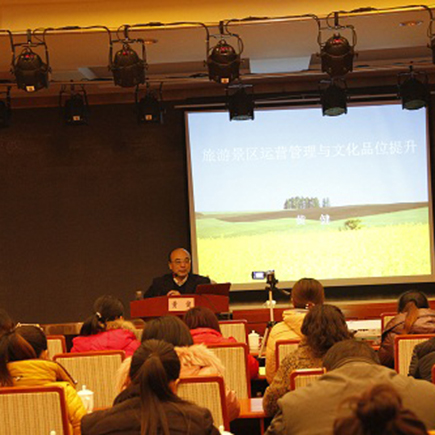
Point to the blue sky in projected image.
(241, 166)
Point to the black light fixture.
(5, 108)
(223, 60)
(413, 89)
(75, 107)
(337, 53)
(128, 68)
(240, 103)
(334, 98)
(149, 108)
(31, 72)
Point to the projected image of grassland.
(354, 242)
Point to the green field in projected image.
(352, 242)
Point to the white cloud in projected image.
(372, 155)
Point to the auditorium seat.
(236, 329)
(234, 357)
(96, 370)
(33, 411)
(403, 348)
(303, 377)
(208, 392)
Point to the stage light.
(223, 63)
(31, 72)
(334, 99)
(413, 91)
(240, 104)
(337, 56)
(75, 108)
(5, 109)
(128, 68)
(149, 108)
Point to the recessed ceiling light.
(150, 41)
(411, 23)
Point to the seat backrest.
(33, 411)
(236, 329)
(283, 348)
(403, 348)
(303, 377)
(56, 344)
(385, 318)
(208, 392)
(96, 370)
(234, 357)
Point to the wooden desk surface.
(251, 408)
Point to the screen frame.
(337, 283)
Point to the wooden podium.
(177, 305)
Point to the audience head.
(6, 323)
(349, 350)
(201, 317)
(168, 328)
(410, 302)
(35, 336)
(106, 309)
(323, 326)
(13, 347)
(307, 292)
(379, 411)
(180, 262)
(155, 367)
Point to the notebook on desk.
(213, 289)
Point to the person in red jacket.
(106, 329)
(204, 328)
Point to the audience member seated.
(196, 359)
(106, 329)
(378, 411)
(351, 366)
(415, 317)
(306, 293)
(6, 323)
(204, 328)
(150, 405)
(323, 326)
(423, 359)
(22, 364)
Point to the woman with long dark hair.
(23, 350)
(150, 405)
(415, 317)
(106, 329)
(195, 359)
(323, 326)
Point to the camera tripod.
(270, 286)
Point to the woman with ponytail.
(150, 405)
(415, 317)
(323, 326)
(23, 363)
(379, 411)
(306, 293)
(106, 329)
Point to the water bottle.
(254, 341)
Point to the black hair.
(154, 365)
(379, 411)
(106, 308)
(168, 328)
(349, 350)
(6, 323)
(35, 336)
